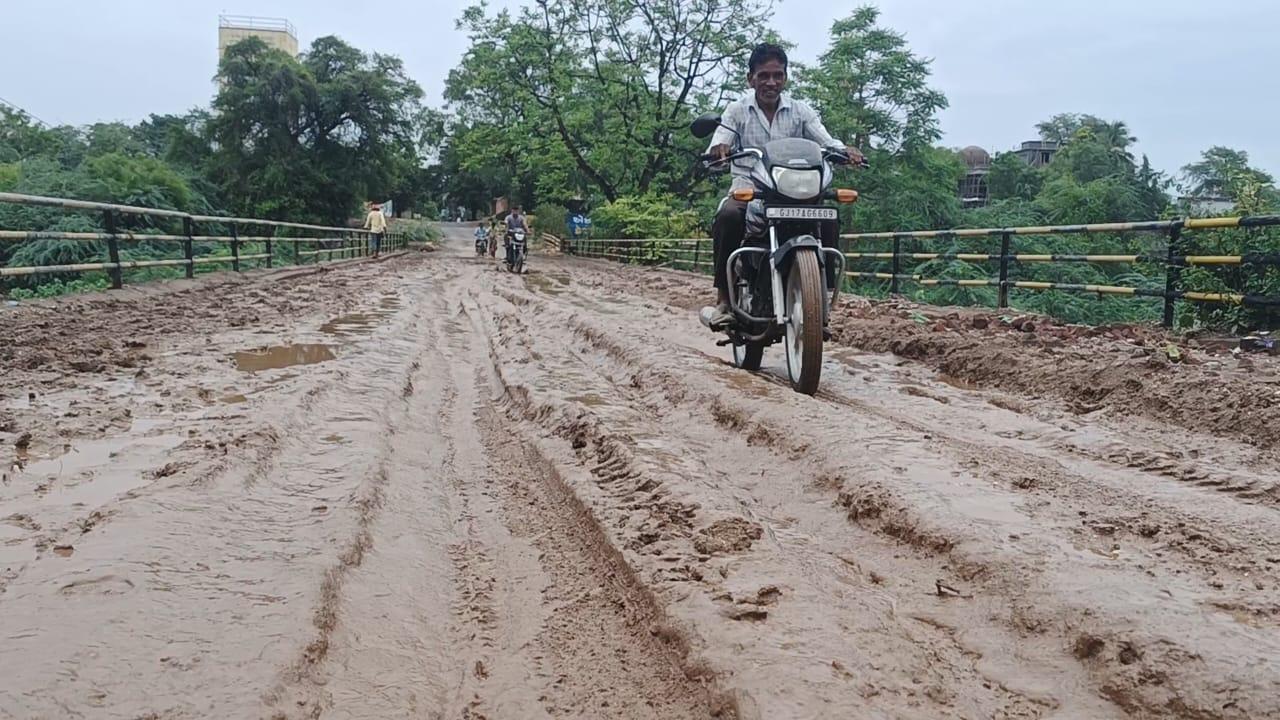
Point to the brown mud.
(426, 488)
(1120, 370)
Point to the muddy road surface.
(423, 487)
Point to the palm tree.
(1115, 135)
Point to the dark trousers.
(375, 243)
(729, 227)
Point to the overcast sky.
(1184, 74)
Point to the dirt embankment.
(59, 338)
(1125, 370)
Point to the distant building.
(973, 187)
(1038, 153)
(277, 33)
(974, 191)
(1207, 205)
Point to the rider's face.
(768, 80)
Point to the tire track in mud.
(1136, 669)
(532, 500)
(737, 598)
(523, 617)
(611, 647)
(227, 571)
(300, 691)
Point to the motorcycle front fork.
(779, 299)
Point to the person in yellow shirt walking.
(376, 223)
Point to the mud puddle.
(282, 356)
(851, 359)
(544, 284)
(742, 380)
(588, 399)
(92, 472)
(15, 548)
(363, 323)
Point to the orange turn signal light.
(744, 194)
(846, 196)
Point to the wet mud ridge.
(427, 488)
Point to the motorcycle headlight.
(798, 184)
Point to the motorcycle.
(515, 258)
(482, 245)
(778, 277)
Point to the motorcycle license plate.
(800, 213)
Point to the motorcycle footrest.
(722, 343)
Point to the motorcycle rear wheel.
(804, 323)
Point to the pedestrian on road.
(376, 223)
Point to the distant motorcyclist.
(482, 235)
(759, 117)
(515, 221)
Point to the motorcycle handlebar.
(835, 157)
(716, 160)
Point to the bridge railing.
(1173, 254)
(692, 254)
(247, 241)
(1175, 258)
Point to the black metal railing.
(1174, 260)
(692, 254)
(1174, 257)
(306, 243)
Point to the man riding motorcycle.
(482, 238)
(515, 221)
(765, 114)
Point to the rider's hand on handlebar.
(720, 152)
(855, 156)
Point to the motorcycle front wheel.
(804, 322)
(748, 356)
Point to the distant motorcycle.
(482, 245)
(515, 258)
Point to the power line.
(24, 112)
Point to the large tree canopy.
(1224, 172)
(613, 82)
(312, 137)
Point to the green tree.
(614, 83)
(311, 138)
(142, 181)
(109, 138)
(1061, 128)
(1012, 178)
(873, 92)
(1153, 187)
(1065, 200)
(1222, 172)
